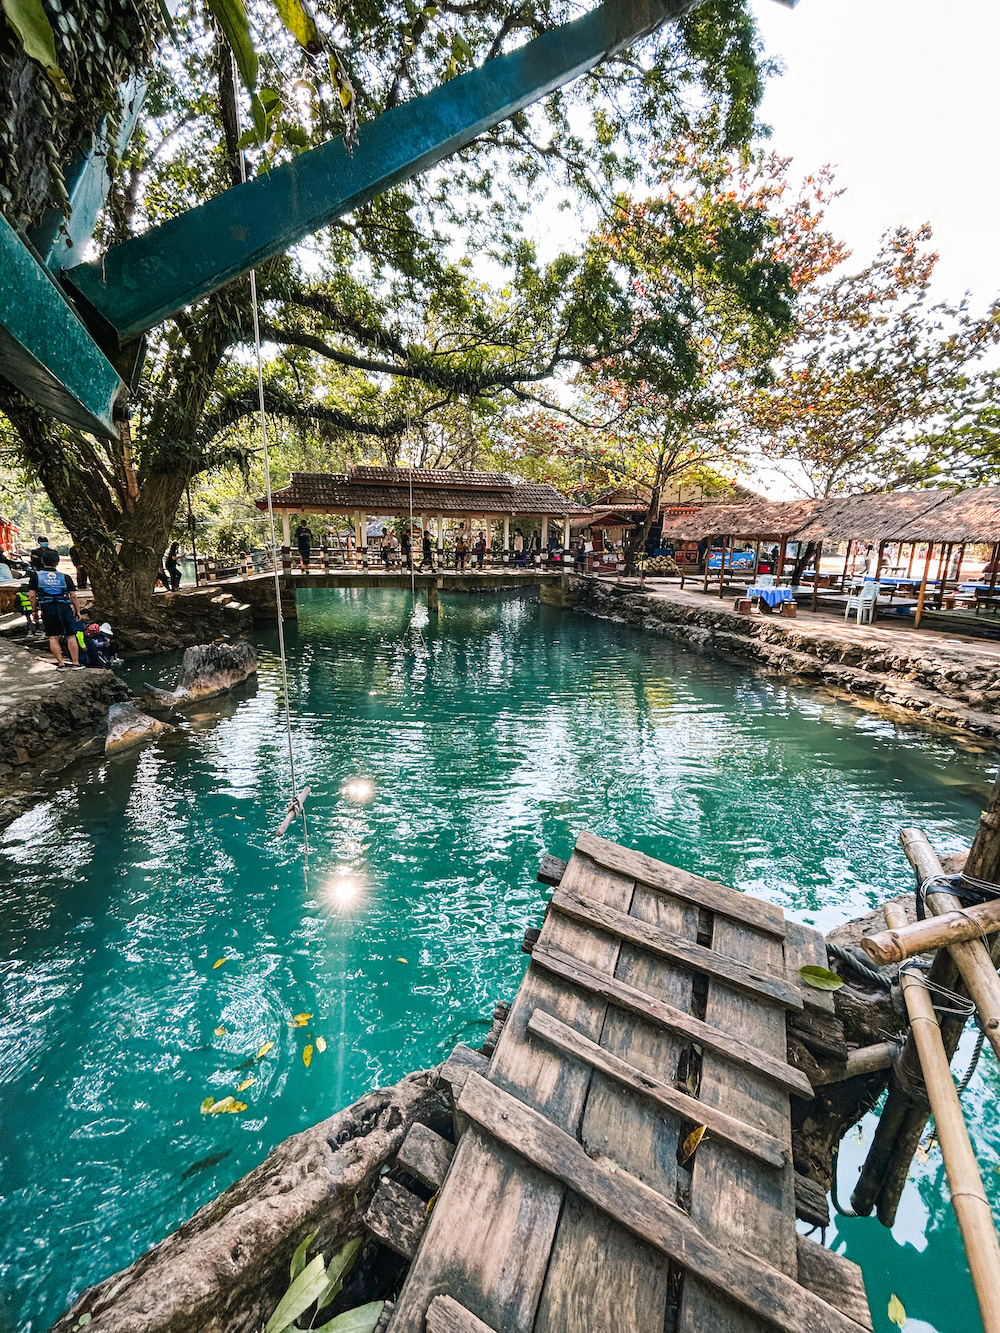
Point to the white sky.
(903, 97)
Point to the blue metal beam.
(143, 281)
(45, 351)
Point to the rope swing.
(296, 806)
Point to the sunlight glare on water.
(156, 936)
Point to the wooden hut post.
(847, 561)
(913, 552)
(708, 552)
(819, 556)
(958, 566)
(756, 560)
(993, 567)
(942, 574)
(878, 562)
(781, 558)
(722, 567)
(923, 587)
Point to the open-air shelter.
(758, 522)
(426, 497)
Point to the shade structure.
(383, 490)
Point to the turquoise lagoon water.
(488, 735)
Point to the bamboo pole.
(756, 561)
(943, 573)
(913, 552)
(865, 1060)
(904, 1114)
(819, 556)
(923, 587)
(968, 1198)
(936, 932)
(971, 956)
(708, 553)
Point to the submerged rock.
(127, 726)
(207, 669)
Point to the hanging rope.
(296, 806)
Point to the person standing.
(407, 545)
(37, 556)
(54, 594)
(81, 573)
(171, 565)
(426, 552)
(303, 539)
(461, 551)
(480, 550)
(518, 547)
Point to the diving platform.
(624, 1159)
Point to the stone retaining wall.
(951, 689)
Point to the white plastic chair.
(864, 603)
(765, 580)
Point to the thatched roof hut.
(874, 517)
(958, 518)
(760, 519)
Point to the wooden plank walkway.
(655, 1002)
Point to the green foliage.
(34, 31)
(317, 1283)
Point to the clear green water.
(491, 734)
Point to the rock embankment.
(952, 684)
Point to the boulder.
(127, 726)
(207, 669)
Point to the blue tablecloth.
(773, 596)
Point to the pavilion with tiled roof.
(457, 498)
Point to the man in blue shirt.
(54, 594)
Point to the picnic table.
(769, 598)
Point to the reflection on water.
(445, 754)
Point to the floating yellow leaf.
(307, 1055)
(207, 1105)
(402, 960)
(921, 1154)
(430, 1204)
(690, 1144)
(218, 963)
(300, 1020)
(897, 1315)
(321, 1044)
(237, 1106)
(242, 1087)
(220, 1031)
(264, 1049)
(217, 1107)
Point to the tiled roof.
(401, 476)
(337, 492)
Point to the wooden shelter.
(759, 521)
(422, 494)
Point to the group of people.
(50, 606)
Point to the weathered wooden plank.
(426, 1156)
(681, 884)
(600, 1275)
(834, 1279)
(487, 1241)
(708, 1035)
(457, 1067)
(810, 1201)
(491, 1231)
(668, 944)
(533, 1072)
(745, 1279)
(749, 1138)
(805, 947)
(445, 1315)
(819, 1030)
(733, 1199)
(397, 1218)
(551, 870)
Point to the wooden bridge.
(623, 1163)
